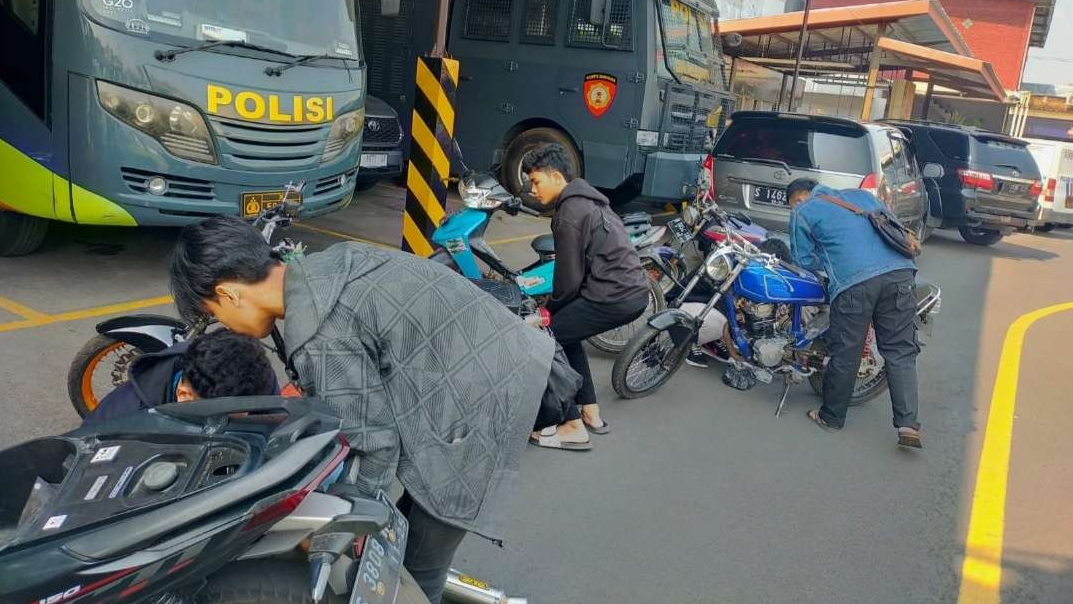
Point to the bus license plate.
(255, 203)
(377, 581)
(373, 160)
(770, 195)
(680, 230)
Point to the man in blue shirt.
(869, 283)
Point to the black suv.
(991, 184)
(381, 145)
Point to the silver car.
(762, 152)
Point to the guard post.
(431, 144)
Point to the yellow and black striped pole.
(432, 133)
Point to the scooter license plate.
(680, 230)
(377, 581)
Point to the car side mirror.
(933, 171)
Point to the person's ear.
(228, 294)
(184, 392)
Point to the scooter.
(460, 244)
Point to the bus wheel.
(20, 234)
(522, 146)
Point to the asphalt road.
(700, 494)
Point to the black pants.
(580, 320)
(430, 546)
(888, 302)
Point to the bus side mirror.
(389, 8)
(598, 11)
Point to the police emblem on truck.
(600, 89)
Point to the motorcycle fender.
(150, 333)
(670, 318)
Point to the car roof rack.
(974, 130)
(801, 116)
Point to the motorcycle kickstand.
(782, 399)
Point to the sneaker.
(697, 358)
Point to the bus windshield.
(687, 41)
(313, 27)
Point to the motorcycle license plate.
(377, 581)
(255, 203)
(680, 230)
(770, 195)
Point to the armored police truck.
(631, 88)
(161, 112)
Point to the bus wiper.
(302, 60)
(165, 56)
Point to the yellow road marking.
(981, 571)
(35, 318)
(341, 235)
(512, 239)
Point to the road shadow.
(1003, 249)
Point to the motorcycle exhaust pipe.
(464, 589)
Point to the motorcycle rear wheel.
(866, 388)
(649, 349)
(281, 582)
(102, 365)
(614, 341)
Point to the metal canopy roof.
(1041, 23)
(973, 77)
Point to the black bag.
(563, 386)
(896, 234)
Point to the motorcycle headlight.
(717, 267)
(345, 129)
(177, 126)
(477, 198)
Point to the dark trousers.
(581, 319)
(888, 302)
(430, 546)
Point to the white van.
(1055, 161)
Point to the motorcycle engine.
(767, 326)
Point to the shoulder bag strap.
(845, 205)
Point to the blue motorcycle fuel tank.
(778, 286)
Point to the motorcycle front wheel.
(101, 366)
(649, 359)
(615, 340)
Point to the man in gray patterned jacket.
(439, 383)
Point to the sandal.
(910, 438)
(814, 416)
(549, 439)
(604, 429)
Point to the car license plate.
(770, 195)
(255, 203)
(377, 581)
(373, 160)
(680, 230)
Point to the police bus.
(161, 112)
(631, 88)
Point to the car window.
(903, 160)
(798, 143)
(887, 163)
(989, 151)
(954, 145)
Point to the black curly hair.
(223, 363)
(548, 157)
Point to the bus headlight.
(177, 126)
(345, 129)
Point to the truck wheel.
(1045, 228)
(522, 145)
(977, 236)
(20, 234)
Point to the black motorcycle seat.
(544, 244)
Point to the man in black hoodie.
(599, 283)
(211, 365)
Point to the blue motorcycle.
(460, 245)
(776, 315)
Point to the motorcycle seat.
(544, 244)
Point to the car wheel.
(978, 236)
(524, 144)
(1045, 228)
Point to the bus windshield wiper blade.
(302, 60)
(169, 55)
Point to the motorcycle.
(776, 316)
(459, 244)
(216, 501)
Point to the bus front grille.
(250, 146)
(178, 187)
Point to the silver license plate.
(373, 160)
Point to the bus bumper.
(671, 176)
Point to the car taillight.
(1049, 197)
(974, 179)
(291, 502)
(870, 183)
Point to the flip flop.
(604, 429)
(814, 417)
(549, 439)
(909, 439)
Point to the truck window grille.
(488, 19)
(619, 32)
(539, 24)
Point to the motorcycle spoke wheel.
(100, 367)
(648, 361)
